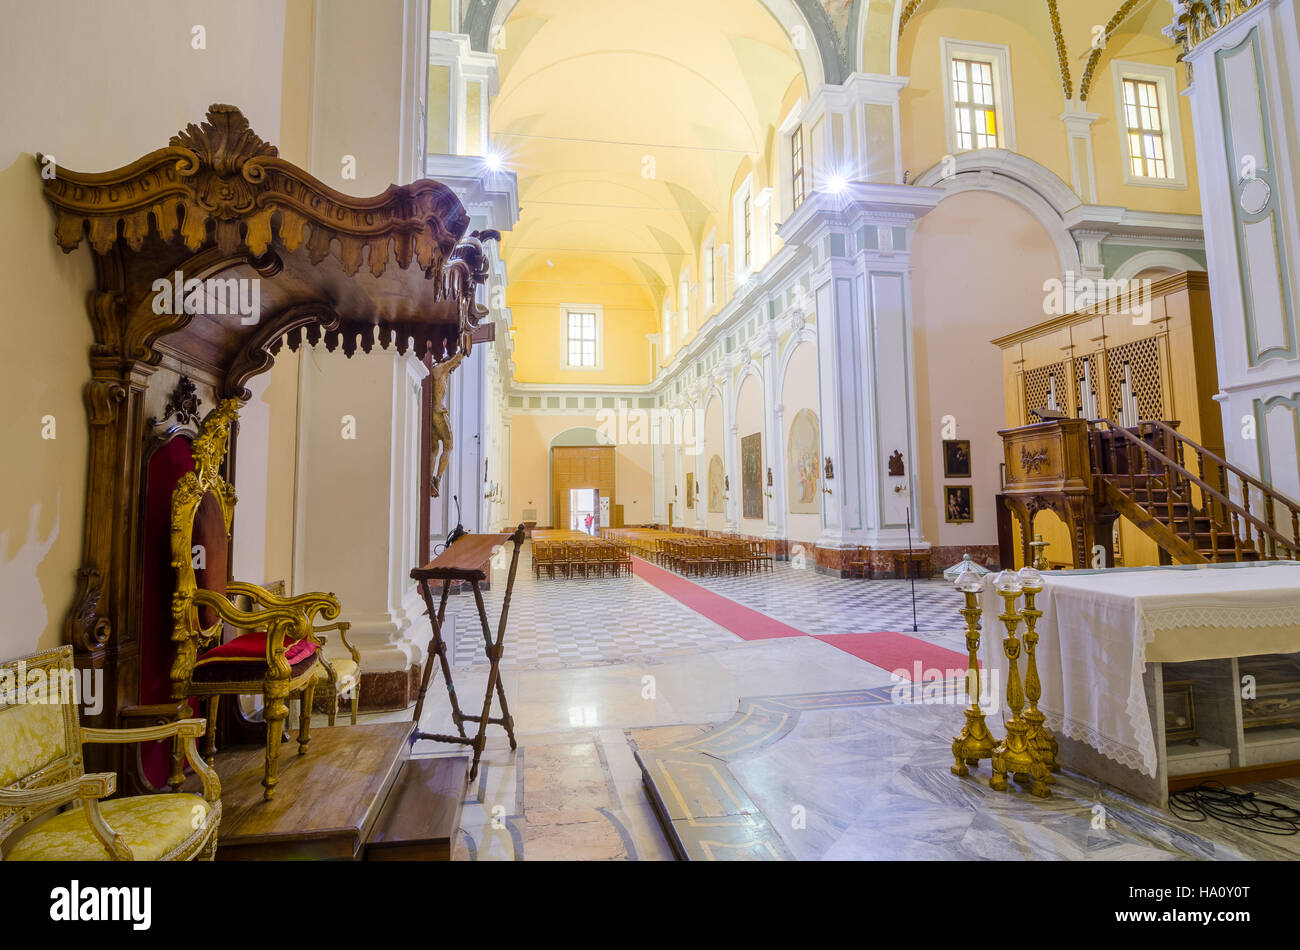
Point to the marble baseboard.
(382, 692)
(945, 556)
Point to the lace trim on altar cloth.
(1139, 760)
(1233, 616)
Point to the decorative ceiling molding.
(908, 12)
(1062, 54)
(1197, 20)
(1125, 10)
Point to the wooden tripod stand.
(467, 559)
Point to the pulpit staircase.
(1196, 506)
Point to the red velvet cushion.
(252, 646)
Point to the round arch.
(1156, 257)
(1035, 188)
(819, 54)
(580, 436)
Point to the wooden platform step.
(327, 803)
(421, 817)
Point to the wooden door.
(579, 466)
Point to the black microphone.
(459, 531)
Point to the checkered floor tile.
(574, 622)
(591, 621)
(819, 604)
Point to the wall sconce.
(768, 493)
(726, 487)
(830, 469)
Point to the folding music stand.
(466, 559)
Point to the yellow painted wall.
(1036, 86)
(1037, 90)
(535, 297)
(530, 468)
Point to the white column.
(867, 399)
(775, 503)
(359, 495)
(1246, 81)
(1078, 140)
(730, 450)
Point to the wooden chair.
(277, 653)
(339, 677)
(41, 770)
(860, 564)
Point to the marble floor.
(598, 671)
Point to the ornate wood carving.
(218, 205)
(182, 405)
(1032, 460)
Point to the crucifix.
(442, 438)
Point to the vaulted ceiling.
(626, 121)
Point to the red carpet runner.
(742, 621)
(910, 656)
(898, 652)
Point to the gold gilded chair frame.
(285, 619)
(63, 780)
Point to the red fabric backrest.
(165, 468)
(210, 535)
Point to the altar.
(1152, 677)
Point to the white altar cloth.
(1100, 628)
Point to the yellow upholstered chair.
(276, 652)
(339, 677)
(41, 770)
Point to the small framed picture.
(1180, 712)
(957, 504)
(956, 458)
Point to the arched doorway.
(583, 470)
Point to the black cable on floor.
(1240, 809)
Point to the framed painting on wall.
(803, 463)
(957, 504)
(690, 489)
(715, 485)
(751, 475)
(956, 458)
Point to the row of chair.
(587, 557)
(713, 555)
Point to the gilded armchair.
(276, 651)
(340, 677)
(41, 740)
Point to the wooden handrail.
(1206, 488)
(1245, 476)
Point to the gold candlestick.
(1039, 738)
(1014, 754)
(1039, 547)
(975, 742)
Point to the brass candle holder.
(975, 742)
(1039, 547)
(1040, 739)
(1014, 755)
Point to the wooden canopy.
(219, 204)
(218, 218)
